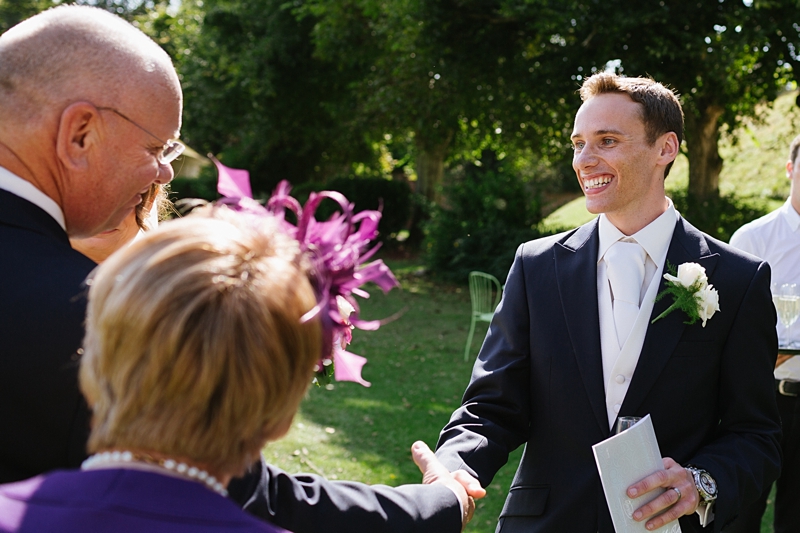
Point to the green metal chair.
(485, 292)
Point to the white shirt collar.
(24, 189)
(790, 215)
(654, 238)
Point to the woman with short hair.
(196, 354)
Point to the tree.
(254, 90)
(457, 74)
(12, 12)
(724, 58)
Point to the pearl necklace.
(192, 472)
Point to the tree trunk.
(430, 168)
(705, 163)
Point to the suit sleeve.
(307, 503)
(744, 457)
(494, 417)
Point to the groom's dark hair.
(661, 110)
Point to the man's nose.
(165, 173)
(584, 158)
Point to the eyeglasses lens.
(172, 150)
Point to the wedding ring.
(679, 494)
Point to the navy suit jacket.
(538, 381)
(43, 416)
(44, 420)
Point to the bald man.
(89, 110)
(88, 105)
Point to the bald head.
(87, 105)
(71, 53)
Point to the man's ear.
(669, 147)
(789, 167)
(79, 131)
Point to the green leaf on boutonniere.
(688, 285)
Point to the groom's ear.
(669, 148)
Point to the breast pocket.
(526, 500)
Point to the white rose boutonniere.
(691, 291)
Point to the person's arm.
(494, 419)
(306, 503)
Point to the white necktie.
(625, 268)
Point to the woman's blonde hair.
(194, 343)
(155, 199)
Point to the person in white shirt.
(775, 238)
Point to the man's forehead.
(604, 114)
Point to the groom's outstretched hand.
(466, 487)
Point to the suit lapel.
(687, 245)
(576, 273)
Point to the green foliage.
(723, 57)
(459, 76)
(720, 217)
(488, 214)
(255, 92)
(12, 12)
(203, 186)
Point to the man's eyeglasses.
(172, 148)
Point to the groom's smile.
(620, 173)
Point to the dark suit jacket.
(306, 503)
(119, 501)
(43, 416)
(538, 381)
(44, 421)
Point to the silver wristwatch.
(706, 486)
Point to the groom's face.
(616, 166)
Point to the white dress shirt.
(24, 189)
(620, 363)
(775, 238)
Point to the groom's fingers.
(679, 499)
(470, 484)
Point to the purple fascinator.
(337, 250)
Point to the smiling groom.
(572, 345)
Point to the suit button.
(620, 379)
(617, 408)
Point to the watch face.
(708, 484)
